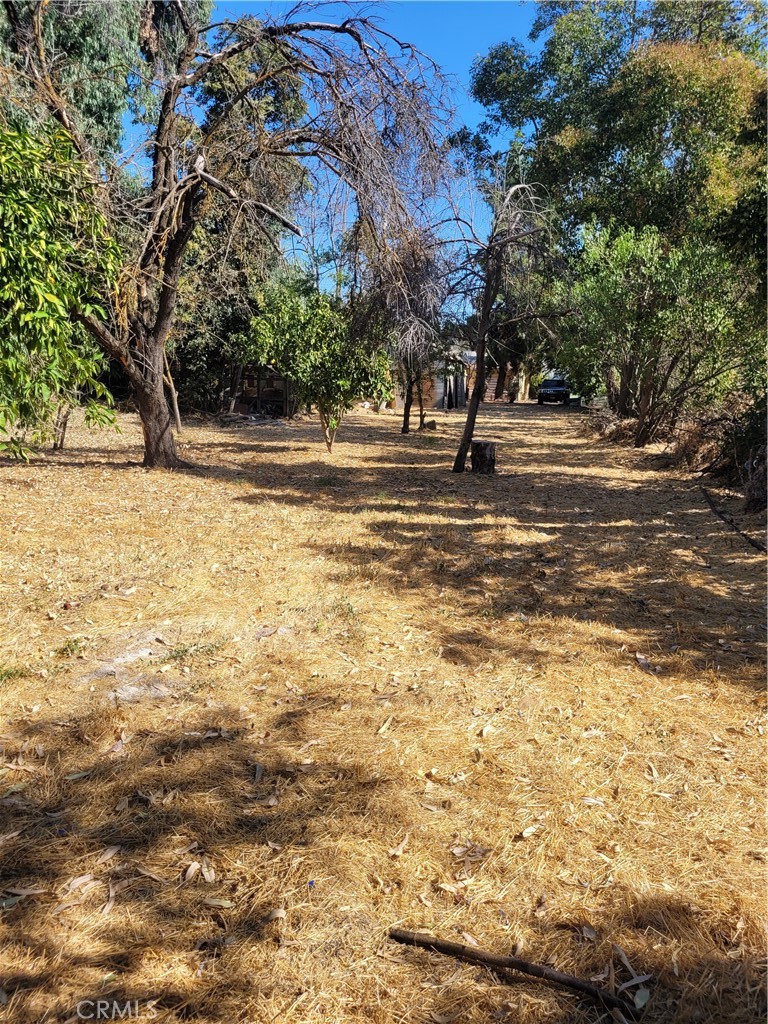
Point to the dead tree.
(518, 232)
(364, 108)
(415, 285)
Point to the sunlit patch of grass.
(73, 646)
(9, 672)
(429, 441)
(188, 652)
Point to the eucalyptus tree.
(231, 110)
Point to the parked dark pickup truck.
(554, 390)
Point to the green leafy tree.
(668, 328)
(649, 117)
(308, 338)
(56, 261)
(91, 40)
(641, 113)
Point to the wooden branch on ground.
(473, 955)
(728, 520)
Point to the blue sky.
(451, 32)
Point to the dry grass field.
(255, 714)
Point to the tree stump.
(483, 456)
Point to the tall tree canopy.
(644, 112)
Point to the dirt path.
(363, 691)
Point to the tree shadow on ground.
(108, 840)
(103, 847)
(693, 975)
(555, 541)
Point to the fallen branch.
(511, 963)
(728, 520)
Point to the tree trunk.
(60, 427)
(234, 383)
(755, 483)
(327, 419)
(645, 420)
(172, 390)
(474, 404)
(420, 396)
(624, 404)
(483, 456)
(490, 291)
(406, 427)
(501, 380)
(159, 444)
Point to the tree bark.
(420, 396)
(159, 444)
(755, 483)
(172, 391)
(474, 404)
(234, 382)
(490, 290)
(329, 432)
(483, 457)
(60, 427)
(645, 422)
(624, 404)
(501, 380)
(611, 390)
(406, 427)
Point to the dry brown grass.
(281, 666)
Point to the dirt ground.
(257, 713)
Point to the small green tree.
(308, 338)
(56, 258)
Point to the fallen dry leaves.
(257, 714)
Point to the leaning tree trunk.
(490, 291)
(159, 443)
(172, 391)
(474, 405)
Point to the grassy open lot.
(255, 714)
